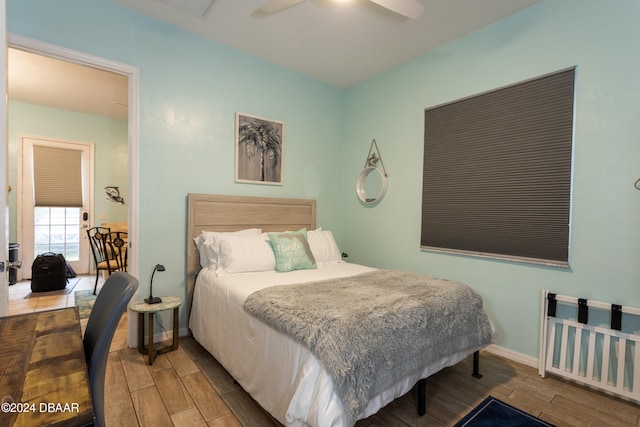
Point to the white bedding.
(280, 374)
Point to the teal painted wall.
(191, 89)
(109, 137)
(601, 39)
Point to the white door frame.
(58, 52)
(4, 160)
(25, 205)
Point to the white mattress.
(280, 374)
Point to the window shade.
(497, 172)
(57, 177)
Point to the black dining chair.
(99, 251)
(105, 315)
(116, 243)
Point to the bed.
(293, 377)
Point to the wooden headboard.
(209, 212)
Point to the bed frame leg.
(422, 397)
(476, 365)
(422, 385)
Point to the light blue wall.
(109, 137)
(601, 39)
(191, 89)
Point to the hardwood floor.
(188, 387)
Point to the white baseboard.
(512, 355)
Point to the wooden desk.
(43, 373)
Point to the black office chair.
(105, 315)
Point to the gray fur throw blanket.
(371, 330)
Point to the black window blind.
(497, 172)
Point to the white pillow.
(244, 253)
(323, 246)
(206, 244)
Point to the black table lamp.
(152, 299)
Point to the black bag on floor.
(70, 272)
(48, 272)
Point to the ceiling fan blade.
(274, 6)
(409, 8)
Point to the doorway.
(54, 100)
(132, 135)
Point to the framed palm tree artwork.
(259, 149)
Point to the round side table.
(143, 308)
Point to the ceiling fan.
(407, 8)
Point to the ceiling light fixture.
(410, 9)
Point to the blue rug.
(84, 301)
(493, 412)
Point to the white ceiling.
(50, 82)
(342, 44)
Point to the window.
(497, 172)
(57, 230)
